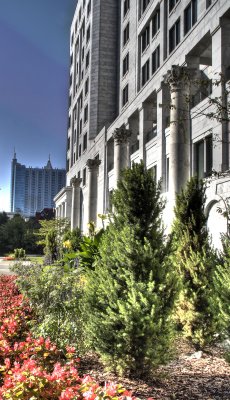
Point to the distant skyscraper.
(33, 189)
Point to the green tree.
(130, 293)
(51, 236)
(194, 262)
(3, 218)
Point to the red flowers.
(35, 368)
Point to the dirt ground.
(190, 376)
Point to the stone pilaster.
(178, 79)
(75, 207)
(121, 150)
(93, 169)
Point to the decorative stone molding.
(122, 135)
(75, 181)
(93, 164)
(179, 77)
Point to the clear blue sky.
(34, 79)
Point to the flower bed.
(34, 368)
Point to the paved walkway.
(5, 267)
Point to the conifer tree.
(194, 262)
(130, 293)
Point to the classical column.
(121, 150)
(178, 80)
(93, 169)
(75, 207)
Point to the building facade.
(33, 189)
(141, 78)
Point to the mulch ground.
(185, 378)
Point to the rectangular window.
(126, 34)
(145, 73)
(125, 64)
(156, 23)
(83, 53)
(190, 16)
(125, 95)
(80, 127)
(208, 3)
(86, 86)
(145, 39)
(88, 35)
(167, 175)
(144, 4)
(203, 154)
(84, 177)
(174, 36)
(79, 151)
(126, 7)
(172, 4)
(80, 100)
(85, 141)
(86, 114)
(156, 59)
(87, 60)
(88, 8)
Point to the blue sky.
(34, 79)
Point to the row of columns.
(177, 82)
(61, 210)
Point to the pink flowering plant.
(34, 368)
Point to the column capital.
(93, 164)
(179, 77)
(75, 182)
(121, 135)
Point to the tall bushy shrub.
(194, 262)
(130, 293)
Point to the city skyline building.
(141, 78)
(33, 189)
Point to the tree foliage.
(130, 293)
(194, 262)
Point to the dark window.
(83, 29)
(126, 7)
(174, 36)
(208, 3)
(125, 64)
(83, 53)
(81, 101)
(87, 60)
(125, 95)
(156, 23)
(88, 8)
(156, 59)
(84, 177)
(145, 39)
(86, 114)
(190, 16)
(80, 127)
(203, 154)
(88, 34)
(144, 4)
(145, 72)
(167, 175)
(172, 4)
(126, 34)
(69, 123)
(79, 150)
(86, 86)
(85, 141)
(79, 15)
(76, 26)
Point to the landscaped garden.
(126, 304)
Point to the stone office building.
(141, 78)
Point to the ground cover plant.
(35, 368)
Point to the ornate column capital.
(75, 182)
(179, 77)
(93, 164)
(121, 135)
